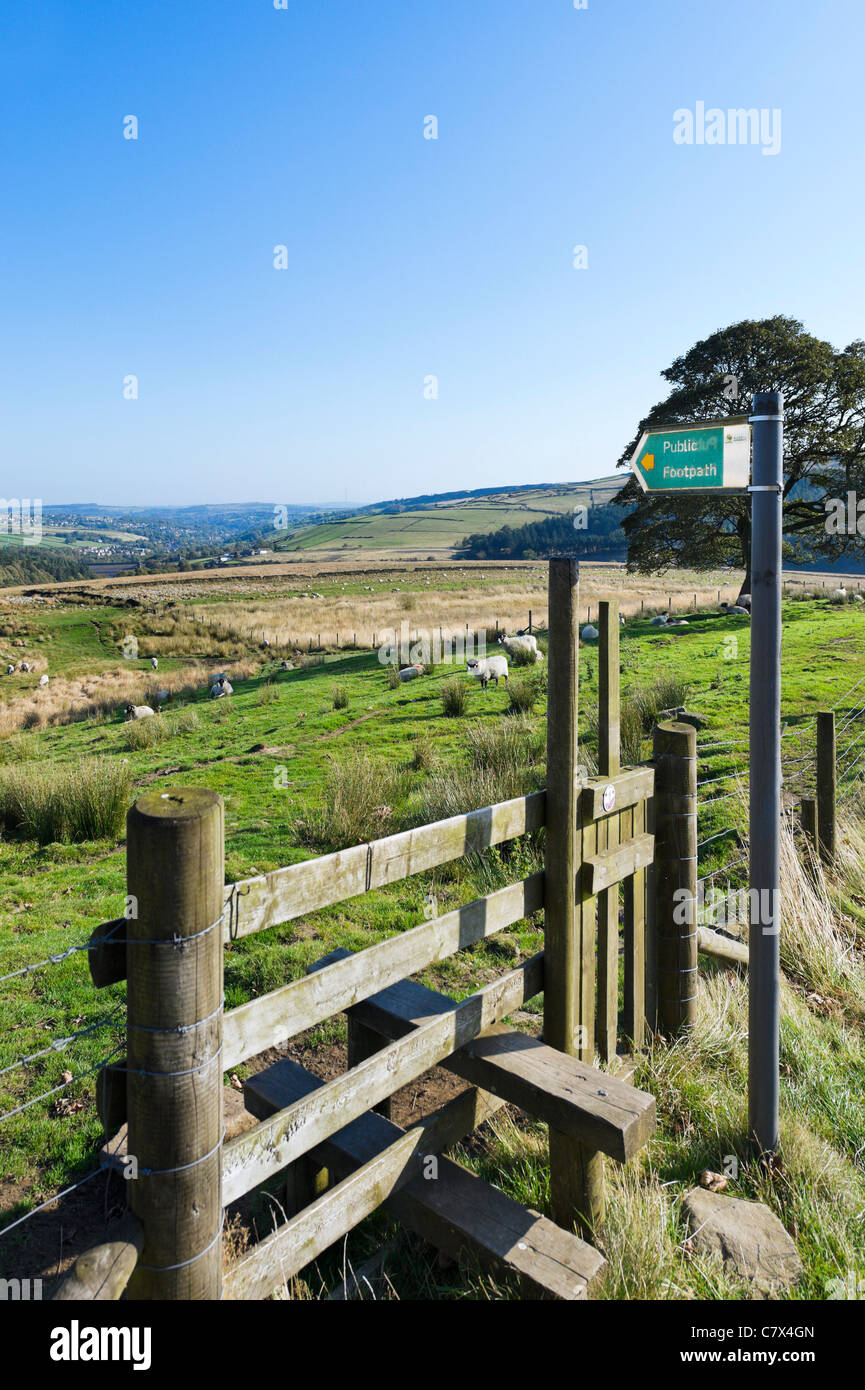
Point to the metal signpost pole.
(765, 800)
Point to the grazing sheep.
(220, 688)
(265, 642)
(621, 621)
(154, 661)
(43, 680)
(10, 670)
(410, 673)
(138, 711)
(24, 666)
(488, 668)
(286, 666)
(589, 633)
(839, 595)
(523, 642)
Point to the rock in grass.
(746, 1236)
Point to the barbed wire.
(106, 1167)
(60, 1044)
(8, 1114)
(89, 945)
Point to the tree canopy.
(824, 446)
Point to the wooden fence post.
(675, 759)
(808, 818)
(576, 1172)
(609, 763)
(826, 784)
(175, 876)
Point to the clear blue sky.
(407, 257)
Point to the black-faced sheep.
(138, 711)
(488, 668)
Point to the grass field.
(329, 753)
(440, 527)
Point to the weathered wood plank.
(633, 785)
(635, 940)
(252, 1157)
(711, 943)
(101, 1274)
(289, 1010)
(601, 871)
(593, 1106)
(254, 904)
(455, 1210)
(586, 907)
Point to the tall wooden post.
(175, 876)
(675, 759)
(576, 1173)
(808, 819)
(826, 773)
(609, 763)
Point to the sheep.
(154, 661)
(43, 680)
(286, 666)
(24, 666)
(220, 688)
(621, 621)
(488, 668)
(265, 642)
(523, 642)
(138, 711)
(589, 633)
(839, 595)
(734, 608)
(10, 670)
(410, 673)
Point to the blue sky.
(407, 257)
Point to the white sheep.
(138, 711)
(839, 595)
(488, 668)
(220, 688)
(265, 641)
(410, 673)
(10, 670)
(154, 661)
(734, 608)
(24, 666)
(523, 642)
(589, 633)
(43, 680)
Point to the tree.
(824, 446)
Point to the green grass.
(298, 773)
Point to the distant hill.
(437, 524)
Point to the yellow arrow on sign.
(648, 461)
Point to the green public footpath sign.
(695, 458)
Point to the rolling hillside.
(436, 526)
